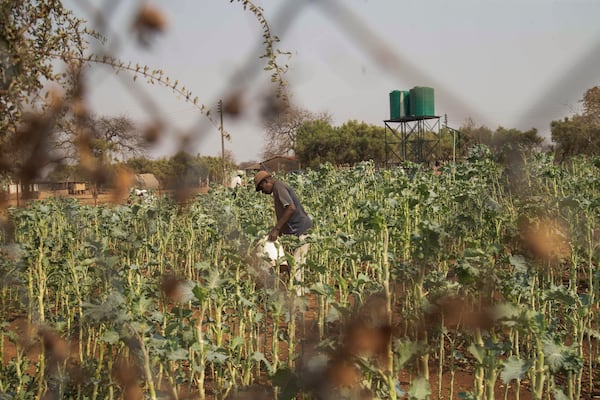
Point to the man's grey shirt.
(283, 196)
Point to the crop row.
(487, 269)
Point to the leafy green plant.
(406, 271)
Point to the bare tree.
(281, 130)
(108, 138)
(122, 137)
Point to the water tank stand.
(415, 139)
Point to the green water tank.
(394, 104)
(422, 102)
(399, 104)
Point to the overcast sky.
(517, 64)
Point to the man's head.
(262, 181)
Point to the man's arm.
(287, 214)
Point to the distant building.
(276, 164)
(146, 181)
(62, 188)
(14, 188)
(77, 187)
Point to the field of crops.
(412, 280)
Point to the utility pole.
(454, 132)
(222, 141)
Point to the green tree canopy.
(182, 169)
(575, 135)
(281, 130)
(473, 134)
(579, 134)
(508, 143)
(314, 140)
(363, 142)
(591, 105)
(318, 142)
(504, 142)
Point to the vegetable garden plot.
(413, 280)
